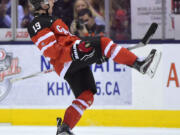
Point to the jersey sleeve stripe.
(46, 42)
(47, 46)
(40, 34)
(44, 37)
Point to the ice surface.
(42, 130)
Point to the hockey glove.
(102, 60)
(82, 51)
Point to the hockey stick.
(6, 84)
(30, 76)
(152, 29)
(147, 37)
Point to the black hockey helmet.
(37, 3)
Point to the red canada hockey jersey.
(51, 35)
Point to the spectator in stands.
(5, 14)
(78, 6)
(86, 25)
(120, 26)
(98, 5)
(27, 13)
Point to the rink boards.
(124, 98)
(105, 117)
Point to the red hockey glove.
(84, 47)
(82, 51)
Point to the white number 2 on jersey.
(36, 27)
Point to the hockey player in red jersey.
(72, 57)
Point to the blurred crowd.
(24, 14)
(84, 17)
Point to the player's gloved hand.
(82, 51)
(101, 60)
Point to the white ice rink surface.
(31, 130)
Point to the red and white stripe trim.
(79, 105)
(49, 45)
(115, 52)
(49, 34)
(83, 103)
(108, 48)
(77, 109)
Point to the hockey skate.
(63, 129)
(149, 64)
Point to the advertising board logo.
(8, 67)
(5, 60)
(8, 64)
(173, 76)
(2, 54)
(20, 34)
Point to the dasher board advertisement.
(6, 34)
(171, 76)
(145, 12)
(113, 81)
